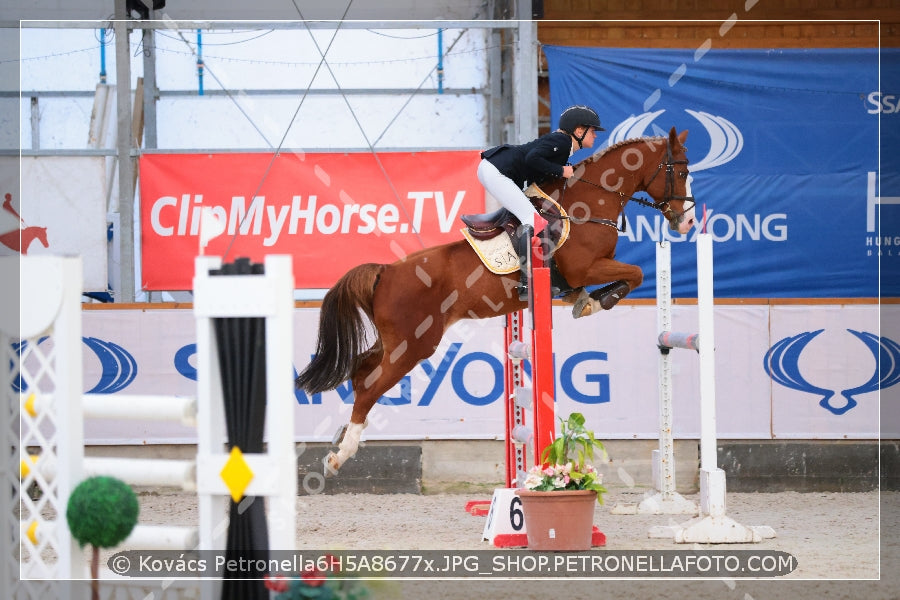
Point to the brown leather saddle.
(490, 225)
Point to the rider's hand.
(568, 171)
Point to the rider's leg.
(510, 195)
(506, 191)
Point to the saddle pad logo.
(497, 253)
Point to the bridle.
(663, 206)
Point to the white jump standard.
(664, 500)
(712, 526)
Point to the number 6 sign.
(505, 525)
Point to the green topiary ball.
(102, 511)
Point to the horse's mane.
(653, 139)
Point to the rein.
(662, 206)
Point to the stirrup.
(524, 233)
(522, 288)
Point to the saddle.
(485, 233)
(490, 225)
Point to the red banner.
(331, 212)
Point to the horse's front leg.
(623, 278)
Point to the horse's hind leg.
(350, 434)
(375, 376)
(347, 448)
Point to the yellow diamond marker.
(29, 406)
(32, 533)
(24, 468)
(236, 474)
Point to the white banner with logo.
(61, 211)
(782, 371)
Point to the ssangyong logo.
(725, 144)
(118, 366)
(725, 140)
(783, 359)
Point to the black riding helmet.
(579, 115)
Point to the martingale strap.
(557, 218)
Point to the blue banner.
(784, 148)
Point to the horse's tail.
(342, 330)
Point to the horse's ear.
(674, 136)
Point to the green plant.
(567, 461)
(102, 511)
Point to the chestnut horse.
(412, 302)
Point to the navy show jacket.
(534, 161)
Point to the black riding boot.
(522, 243)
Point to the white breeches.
(506, 192)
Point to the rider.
(505, 170)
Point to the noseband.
(669, 193)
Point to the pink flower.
(313, 577)
(276, 583)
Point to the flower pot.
(559, 520)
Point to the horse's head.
(41, 234)
(670, 184)
(28, 235)
(655, 165)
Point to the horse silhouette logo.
(20, 238)
(781, 363)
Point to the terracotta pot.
(561, 520)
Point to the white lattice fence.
(42, 347)
(43, 425)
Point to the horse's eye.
(684, 175)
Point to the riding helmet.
(577, 115)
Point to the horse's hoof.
(331, 465)
(582, 307)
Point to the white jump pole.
(712, 526)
